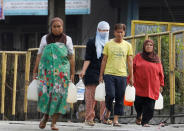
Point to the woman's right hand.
(81, 75)
(100, 79)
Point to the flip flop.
(146, 125)
(90, 123)
(138, 121)
(105, 120)
(42, 124)
(116, 124)
(53, 127)
(162, 124)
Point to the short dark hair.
(120, 26)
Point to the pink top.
(148, 77)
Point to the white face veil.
(101, 37)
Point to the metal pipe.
(4, 61)
(159, 46)
(14, 85)
(157, 34)
(178, 32)
(27, 72)
(79, 46)
(14, 52)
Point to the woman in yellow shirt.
(116, 54)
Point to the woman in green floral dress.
(55, 67)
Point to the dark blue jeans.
(115, 89)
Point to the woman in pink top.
(148, 81)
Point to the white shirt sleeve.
(43, 43)
(69, 45)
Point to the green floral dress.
(54, 75)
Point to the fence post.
(14, 86)
(171, 75)
(133, 28)
(4, 60)
(133, 45)
(159, 46)
(146, 37)
(27, 71)
(71, 105)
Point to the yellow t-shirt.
(117, 57)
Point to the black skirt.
(91, 78)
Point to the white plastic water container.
(80, 89)
(72, 93)
(100, 92)
(159, 104)
(130, 93)
(32, 93)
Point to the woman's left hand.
(35, 75)
(161, 89)
(72, 78)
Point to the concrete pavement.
(68, 126)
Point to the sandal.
(105, 120)
(43, 122)
(53, 127)
(138, 121)
(146, 125)
(116, 124)
(162, 124)
(90, 123)
(53, 124)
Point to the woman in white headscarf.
(91, 70)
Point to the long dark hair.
(150, 56)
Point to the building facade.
(22, 32)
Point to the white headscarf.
(101, 37)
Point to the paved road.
(67, 126)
